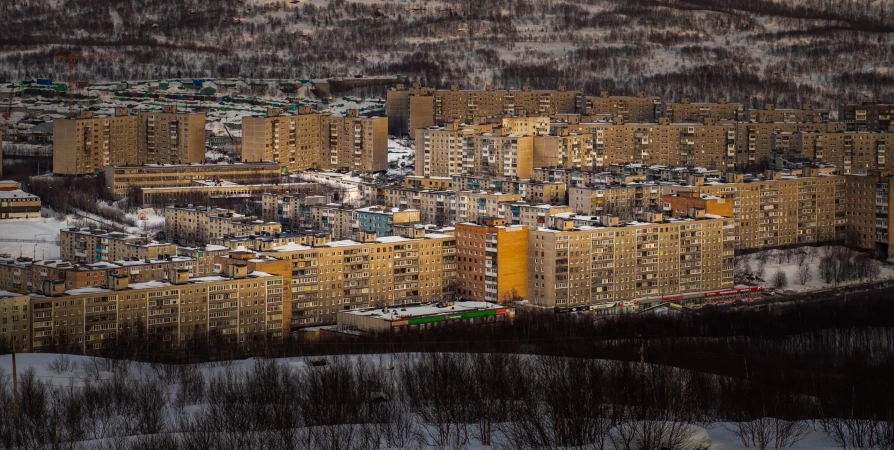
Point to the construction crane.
(73, 59)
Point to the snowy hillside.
(786, 52)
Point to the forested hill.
(786, 51)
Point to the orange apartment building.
(492, 260)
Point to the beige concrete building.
(610, 266)
(867, 117)
(199, 225)
(86, 246)
(334, 219)
(234, 306)
(777, 210)
(869, 221)
(686, 111)
(354, 142)
(527, 126)
(448, 150)
(531, 215)
(170, 136)
(468, 206)
(293, 141)
(626, 201)
(121, 179)
(423, 182)
(427, 107)
(18, 204)
(15, 319)
(568, 150)
(435, 206)
(755, 140)
(293, 211)
(771, 114)
(88, 144)
(368, 271)
(211, 191)
(640, 108)
(850, 151)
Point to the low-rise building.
(420, 317)
(84, 246)
(121, 180)
(198, 225)
(18, 204)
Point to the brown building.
(850, 151)
(612, 265)
(16, 203)
(354, 142)
(293, 141)
(755, 141)
(866, 117)
(869, 198)
(15, 320)
(686, 111)
(120, 180)
(679, 205)
(429, 107)
(639, 109)
(626, 201)
(88, 144)
(778, 210)
(199, 225)
(492, 259)
(771, 114)
(85, 246)
(170, 136)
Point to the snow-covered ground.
(45, 228)
(75, 371)
(776, 261)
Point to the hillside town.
(449, 205)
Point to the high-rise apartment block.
(452, 150)
(492, 259)
(626, 201)
(638, 109)
(686, 111)
(86, 145)
(849, 151)
(866, 117)
(777, 210)
(419, 107)
(354, 142)
(771, 114)
(869, 221)
(86, 246)
(610, 265)
(199, 225)
(291, 140)
(170, 136)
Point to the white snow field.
(44, 228)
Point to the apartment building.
(492, 260)
(566, 149)
(755, 140)
(639, 108)
(233, 305)
(771, 114)
(292, 141)
(15, 320)
(434, 206)
(777, 210)
(869, 200)
(850, 151)
(468, 206)
(291, 210)
(397, 107)
(368, 271)
(18, 204)
(429, 107)
(531, 215)
(866, 117)
(87, 144)
(686, 111)
(334, 219)
(170, 136)
(614, 264)
(198, 225)
(381, 220)
(627, 201)
(423, 182)
(15, 273)
(204, 257)
(120, 180)
(680, 205)
(78, 276)
(446, 150)
(527, 125)
(353, 142)
(87, 246)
